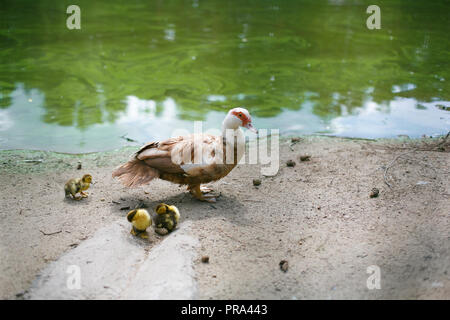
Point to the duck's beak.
(250, 127)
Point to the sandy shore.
(317, 216)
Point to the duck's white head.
(238, 117)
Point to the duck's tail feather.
(135, 173)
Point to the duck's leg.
(84, 195)
(196, 191)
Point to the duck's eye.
(240, 115)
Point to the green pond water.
(142, 69)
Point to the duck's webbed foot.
(161, 231)
(143, 235)
(139, 233)
(205, 189)
(83, 194)
(201, 193)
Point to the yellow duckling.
(141, 220)
(166, 218)
(74, 186)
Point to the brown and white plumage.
(189, 160)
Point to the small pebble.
(290, 163)
(256, 182)
(374, 193)
(79, 166)
(284, 265)
(205, 259)
(305, 157)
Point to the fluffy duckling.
(141, 220)
(74, 186)
(166, 218)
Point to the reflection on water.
(401, 117)
(142, 69)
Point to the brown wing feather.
(148, 163)
(158, 155)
